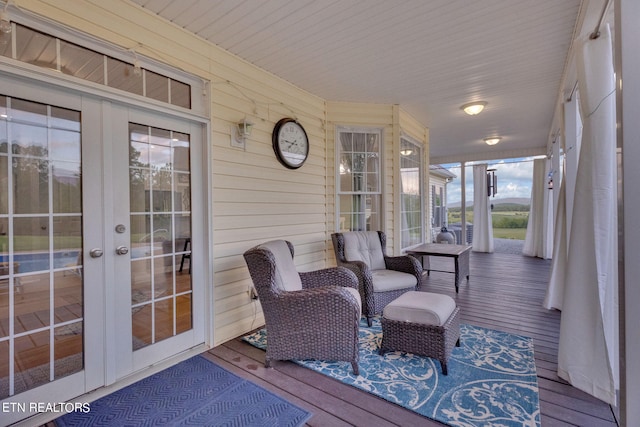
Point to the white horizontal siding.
(254, 197)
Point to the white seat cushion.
(424, 308)
(390, 280)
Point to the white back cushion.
(364, 246)
(286, 275)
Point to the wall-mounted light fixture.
(244, 128)
(492, 183)
(492, 140)
(241, 131)
(473, 108)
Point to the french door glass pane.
(4, 141)
(4, 189)
(160, 201)
(41, 298)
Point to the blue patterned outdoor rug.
(492, 377)
(195, 392)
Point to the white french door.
(101, 242)
(159, 312)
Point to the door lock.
(95, 253)
(122, 250)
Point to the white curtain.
(587, 354)
(538, 241)
(555, 290)
(482, 226)
(562, 236)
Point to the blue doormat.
(492, 377)
(195, 392)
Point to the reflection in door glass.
(41, 302)
(160, 224)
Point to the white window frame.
(338, 191)
(421, 179)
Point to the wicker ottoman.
(421, 323)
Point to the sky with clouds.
(514, 179)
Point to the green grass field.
(506, 224)
(509, 233)
(39, 243)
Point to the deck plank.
(504, 292)
(388, 413)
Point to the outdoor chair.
(381, 278)
(310, 315)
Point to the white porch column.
(627, 15)
(463, 205)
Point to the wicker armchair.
(312, 315)
(381, 278)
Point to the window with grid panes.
(411, 206)
(359, 192)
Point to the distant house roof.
(440, 171)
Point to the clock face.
(290, 143)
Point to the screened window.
(359, 181)
(411, 209)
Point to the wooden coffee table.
(459, 253)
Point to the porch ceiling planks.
(430, 57)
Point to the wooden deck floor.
(505, 292)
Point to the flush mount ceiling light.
(406, 152)
(474, 108)
(493, 140)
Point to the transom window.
(43, 50)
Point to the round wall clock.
(290, 143)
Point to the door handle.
(95, 253)
(122, 250)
